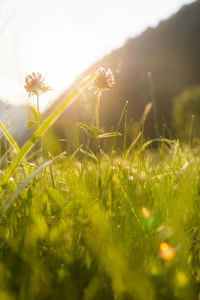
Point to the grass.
(72, 242)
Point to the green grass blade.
(89, 154)
(75, 152)
(126, 153)
(145, 114)
(161, 140)
(13, 143)
(8, 202)
(45, 126)
(10, 138)
(119, 123)
(109, 134)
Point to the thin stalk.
(125, 131)
(191, 129)
(153, 98)
(98, 145)
(44, 142)
(38, 109)
(39, 119)
(124, 111)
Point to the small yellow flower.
(35, 84)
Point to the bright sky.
(60, 38)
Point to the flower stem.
(98, 145)
(44, 141)
(38, 109)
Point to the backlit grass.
(72, 243)
(113, 226)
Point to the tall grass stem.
(43, 141)
(153, 99)
(191, 129)
(98, 145)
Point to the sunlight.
(145, 212)
(100, 194)
(59, 61)
(166, 251)
(61, 39)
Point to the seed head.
(104, 80)
(34, 84)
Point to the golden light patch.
(142, 176)
(145, 212)
(114, 152)
(166, 251)
(181, 279)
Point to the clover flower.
(104, 80)
(35, 84)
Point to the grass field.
(113, 226)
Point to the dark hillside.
(171, 52)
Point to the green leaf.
(56, 199)
(145, 114)
(34, 112)
(31, 123)
(126, 153)
(94, 130)
(89, 154)
(10, 138)
(161, 140)
(75, 152)
(90, 131)
(84, 126)
(109, 134)
(10, 199)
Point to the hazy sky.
(60, 38)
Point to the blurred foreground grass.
(108, 226)
(73, 242)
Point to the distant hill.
(171, 52)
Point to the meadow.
(105, 225)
